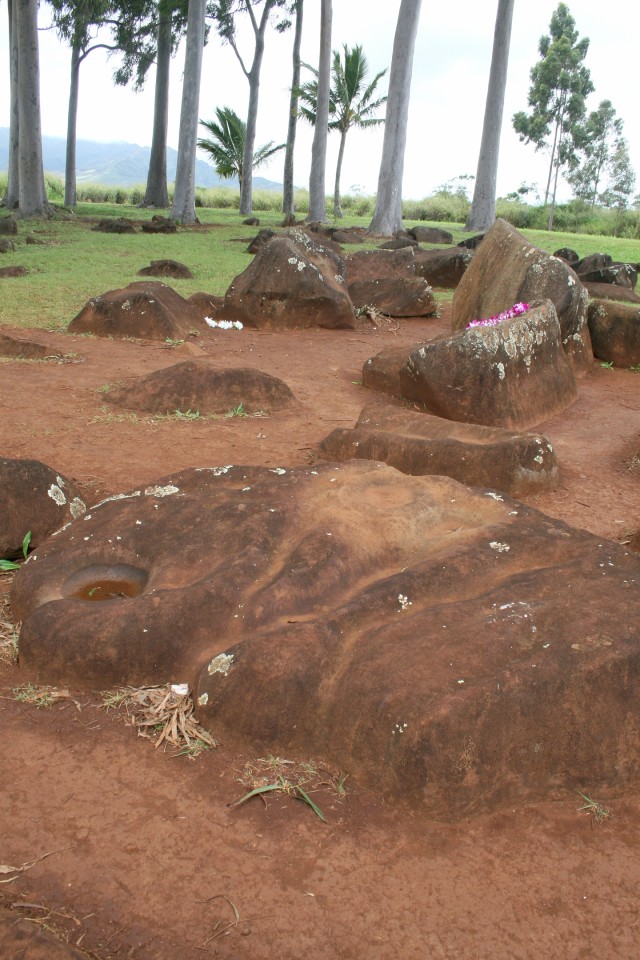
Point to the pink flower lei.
(515, 311)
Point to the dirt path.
(148, 859)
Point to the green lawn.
(77, 263)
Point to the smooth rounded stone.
(166, 268)
(205, 304)
(507, 269)
(419, 444)
(395, 297)
(196, 386)
(25, 349)
(443, 268)
(117, 225)
(379, 265)
(146, 309)
(36, 499)
(513, 375)
(382, 372)
(8, 226)
(615, 332)
(17, 271)
(292, 282)
(430, 235)
(7, 246)
(610, 291)
(447, 646)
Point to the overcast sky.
(451, 66)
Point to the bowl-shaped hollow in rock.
(444, 645)
(512, 375)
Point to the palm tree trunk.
(32, 198)
(483, 206)
(184, 197)
(337, 209)
(156, 193)
(70, 193)
(288, 205)
(317, 209)
(387, 216)
(11, 196)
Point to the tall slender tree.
(184, 197)
(351, 102)
(317, 201)
(288, 203)
(32, 196)
(483, 206)
(77, 22)
(225, 13)
(11, 198)
(387, 216)
(560, 84)
(148, 33)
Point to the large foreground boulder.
(35, 499)
(448, 646)
(148, 310)
(512, 375)
(507, 269)
(195, 386)
(292, 282)
(615, 332)
(419, 444)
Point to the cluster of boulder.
(391, 608)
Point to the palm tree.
(226, 146)
(351, 104)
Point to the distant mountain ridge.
(119, 164)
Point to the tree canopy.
(560, 84)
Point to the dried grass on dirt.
(163, 715)
(9, 630)
(312, 774)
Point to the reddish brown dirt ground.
(145, 856)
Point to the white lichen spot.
(220, 664)
(126, 305)
(77, 507)
(494, 496)
(404, 602)
(216, 471)
(60, 481)
(338, 278)
(116, 496)
(167, 491)
(539, 459)
(57, 495)
(499, 547)
(500, 369)
(203, 699)
(180, 689)
(280, 471)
